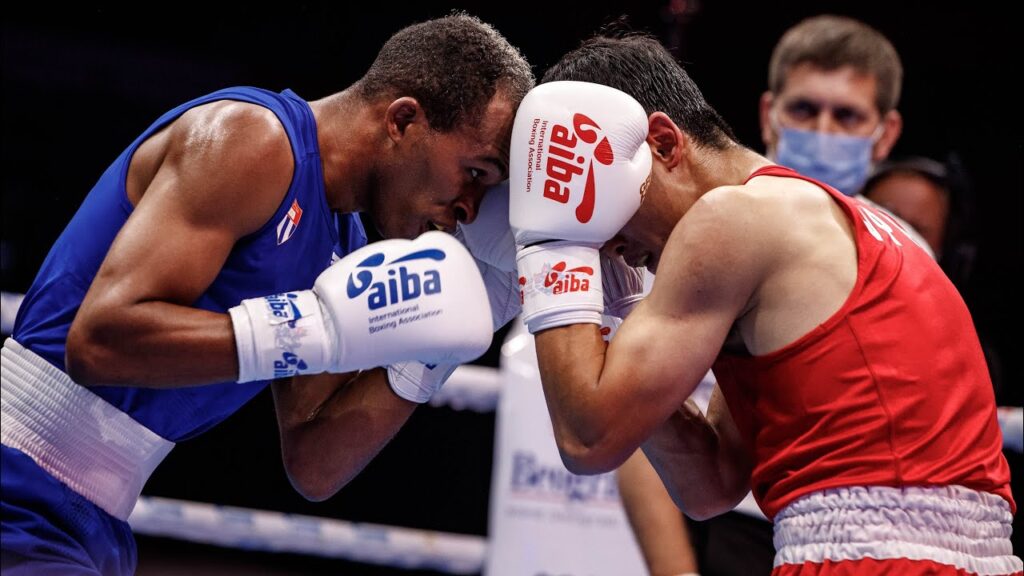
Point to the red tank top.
(891, 390)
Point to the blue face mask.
(840, 161)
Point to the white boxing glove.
(580, 165)
(489, 239)
(388, 301)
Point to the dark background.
(79, 84)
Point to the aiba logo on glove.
(284, 307)
(401, 284)
(557, 280)
(563, 164)
(289, 365)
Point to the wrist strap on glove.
(560, 284)
(279, 336)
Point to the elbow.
(585, 459)
(710, 504)
(84, 357)
(703, 510)
(311, 483)
(312, 491)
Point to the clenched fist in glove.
(389, 301)
(580, 164)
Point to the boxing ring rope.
(474, 388)
(9, 304)
(261, 530)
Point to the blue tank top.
(287, 253)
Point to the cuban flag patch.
(289, 223)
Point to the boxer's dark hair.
(638, 65)
(452, 66)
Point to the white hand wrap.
(560, 284)
(609, 326)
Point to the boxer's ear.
(668, 143)
(401, 114)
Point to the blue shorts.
(47, 529)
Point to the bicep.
(164, 252)
(202, 198)
(670, 341)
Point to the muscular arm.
(332, 425)
(604, 403)
(214, 175)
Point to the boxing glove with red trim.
(579, 168)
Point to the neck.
(729, 167)
(347, 133)
(710, 168)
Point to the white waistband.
(79, 438)
(950, 525)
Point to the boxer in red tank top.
(854, 399)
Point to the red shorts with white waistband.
(907, 531)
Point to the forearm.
(332, 425)
(571, 360)
(703, 470)
(151, 344)
(657, 523)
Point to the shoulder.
(762, 213)
(246, 134)
(724, 247)
(230, 157)
(729, 219)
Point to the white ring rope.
(262, 530)
(9, 304)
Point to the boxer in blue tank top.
(226, 199)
